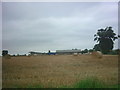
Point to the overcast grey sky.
(52, 26)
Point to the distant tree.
(105, 38)
(97, 47)
(24, 55)
(114, 52)
(84, 51)
(49, 51)
(13, 55)
(4, 52)
(18, 55)
(90, 50)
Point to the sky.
(43, 26)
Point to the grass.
(34, 86)
(89, 82)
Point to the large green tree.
(105, 38)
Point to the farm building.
(68, 51)
(39, 53)
(36, 53)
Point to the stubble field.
(57, 70)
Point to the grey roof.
(72, 51)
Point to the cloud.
(52, 26)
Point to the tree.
(97, 47)
(49, 52)
(84, 51)
(105, 38)
(90, 50)
(4, 52)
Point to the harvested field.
(57, 70)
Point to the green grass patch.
(64, 86)
(114, 86)
(34, 86)
(89, 83)
(16, 86)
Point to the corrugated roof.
(57, 51)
